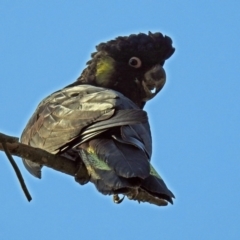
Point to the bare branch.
(17, 171)
(39, 156)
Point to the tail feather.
(105, 178)
(115, 167)
(125, 160)
(157, 187)
(112, 180)
(105, 189)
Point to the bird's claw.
(117, 199)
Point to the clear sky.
(44, 46)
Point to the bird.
(99, 119)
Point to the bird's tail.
(117, 168)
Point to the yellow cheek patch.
(105, 68)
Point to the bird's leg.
(117, 199)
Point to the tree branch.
(17, 171)
(61, 164)
(37, 155)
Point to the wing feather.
(76, 114)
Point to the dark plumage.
(99, 118)
(151, 49)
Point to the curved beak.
(153, 81)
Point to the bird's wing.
(75, 114)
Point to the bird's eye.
(135, 62)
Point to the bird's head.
(131, 65)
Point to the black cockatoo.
(99, 118)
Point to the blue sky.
(194, 120)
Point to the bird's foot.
(117, 199)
